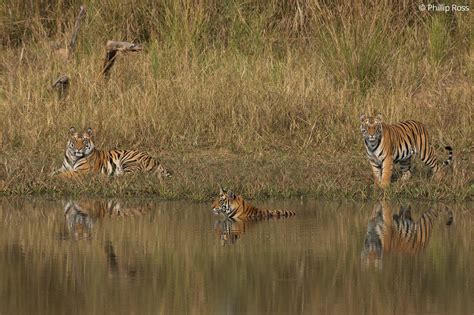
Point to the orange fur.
(387, 145)
(81, 157)
(234, 206)
(398, 233)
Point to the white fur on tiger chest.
(375, 155)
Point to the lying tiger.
(82, 157)
(232, 206)
(387, 145)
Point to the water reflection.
(80, 216)
(116, 268)
(167, 260)
(398, 233)
(228, 231)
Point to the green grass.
(263, 97)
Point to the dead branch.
(72, 43)
(122, 46)
(112, 48)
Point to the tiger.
(399, 233)
(398, 143)
(82, 157)
(234, 206)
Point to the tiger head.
(372, 251)
(382, 229)
(80, 145)
(78, 223)
(225, 203)
(371, 128)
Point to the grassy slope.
(266, 104)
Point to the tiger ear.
(230, 195)
(90, 132)
(363, 118)
(378, 118)
(72, 131)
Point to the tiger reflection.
(228, 230)
(118, 268)
(81, 216)
(398, 233)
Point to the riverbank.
(257, 175)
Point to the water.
(148, 257)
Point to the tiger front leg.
(58, 171)
(67, 174)
(377, 171)
(387, 168)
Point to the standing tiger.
(397, 143)
(398, 233)
(81, 157)
(232, 206)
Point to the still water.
(149, 257)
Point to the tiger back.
(387, 145)
(82, 157)
(235, 206)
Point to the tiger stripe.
(81, 157)
(399, 233)
(235, 206)
(388, 144)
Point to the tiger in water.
(399, 233)
(398, 143)
(82, 157)
(234, 206)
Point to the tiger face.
(80, 145)
(371, 128)
(224, 203)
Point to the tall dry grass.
(274, 80)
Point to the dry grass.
(265, 98)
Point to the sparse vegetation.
(261, 96)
